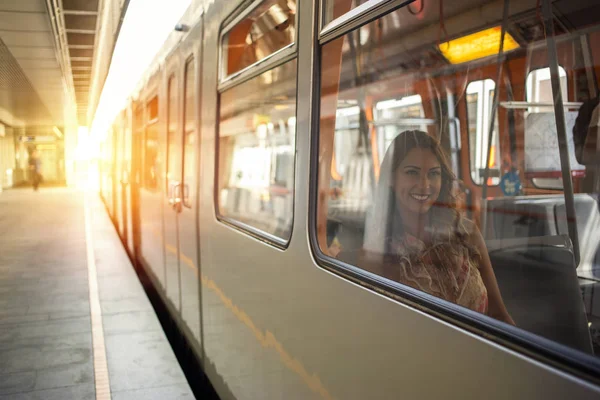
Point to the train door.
(116, 186)
(119, 186)
(151, 179)
(173, 203)
(188, 208)
(135, 176)
(125, 180)
(110, 171)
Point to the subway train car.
(257, 172)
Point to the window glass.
(539, 94)
(173, 161)
(268, 28)
(190, 135)
(151, 146)
(399, 95)
(480, 98)
(257, 128)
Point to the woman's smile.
(420, 196)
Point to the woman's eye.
(412, 172)
(435, 174)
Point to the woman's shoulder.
(472, 234)
(465, 227)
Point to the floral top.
(446, 269)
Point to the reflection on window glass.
(151, 146)
(480, 99)
(268, 28)
(190, 135)
(257, 128)
(394, 108)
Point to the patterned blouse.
(445, 269)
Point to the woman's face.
(418, 181)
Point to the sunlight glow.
(146, 26)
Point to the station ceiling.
(46, 59)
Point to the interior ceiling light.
(477, 45)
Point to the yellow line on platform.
(101, 378)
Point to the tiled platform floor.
(45, 329)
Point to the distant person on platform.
(35, 166)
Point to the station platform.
(75, 322)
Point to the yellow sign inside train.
(477, 45)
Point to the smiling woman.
(415, 236)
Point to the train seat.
(537, 216)
(521, 216)
(539, 280)
(588, 218)
(540, 288)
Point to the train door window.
(257, 128)
(387, 207)
(480, 98)
(266, 28)
(172, 128)
(151, 146)
(190, 136)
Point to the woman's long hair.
(384, 223)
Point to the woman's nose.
(424, 182)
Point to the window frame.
(279, 57)
(526, 344)
(355, 18)
(272, 61)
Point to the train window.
(190, 135)
(172, 128)
(391, 203)
(151, 146)
(539, 94)
(257, 128)
(480, 98)
(267, 28)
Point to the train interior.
(416, 68)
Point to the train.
(242, 173)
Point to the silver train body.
(270, 321)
